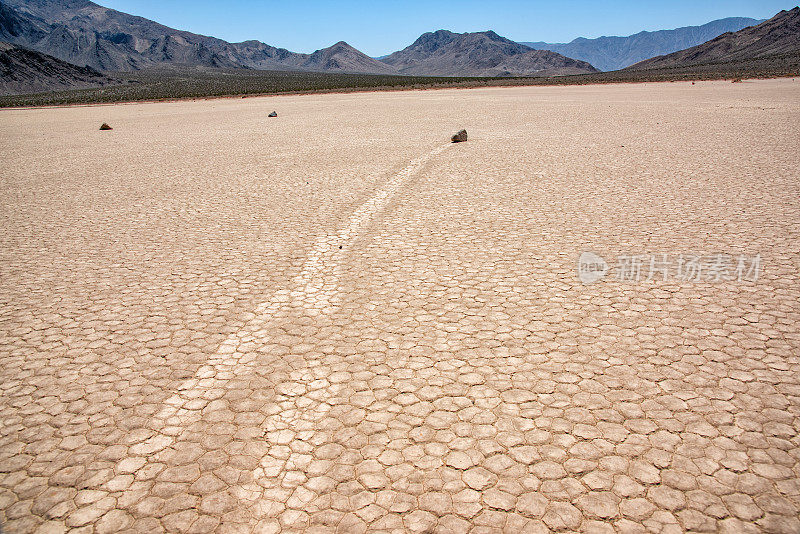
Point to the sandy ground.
(337, 321)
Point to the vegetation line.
(172, 84)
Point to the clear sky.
(380, 27)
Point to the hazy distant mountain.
(446, 53)
(28, 71)
(779, 36)
(613, 53)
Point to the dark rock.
(273, 114)
(460, 137)
(105, 126)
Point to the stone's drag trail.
(313, 291)
(317, 283)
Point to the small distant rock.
(105, 126)
(273, 114)
(736, 80)
(460, 137)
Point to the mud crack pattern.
(185, 348)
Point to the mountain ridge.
(609, 53)
(778, 36)
(85, 33)
(343, 57)
(479, 54)
(27, 71)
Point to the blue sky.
(381, 27)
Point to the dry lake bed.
(336, 320)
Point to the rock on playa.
(460, 137)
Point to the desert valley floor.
(336, 320)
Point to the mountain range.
(614, 53)
(779, 36)
(84, 34)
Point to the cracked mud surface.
(185, 347)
